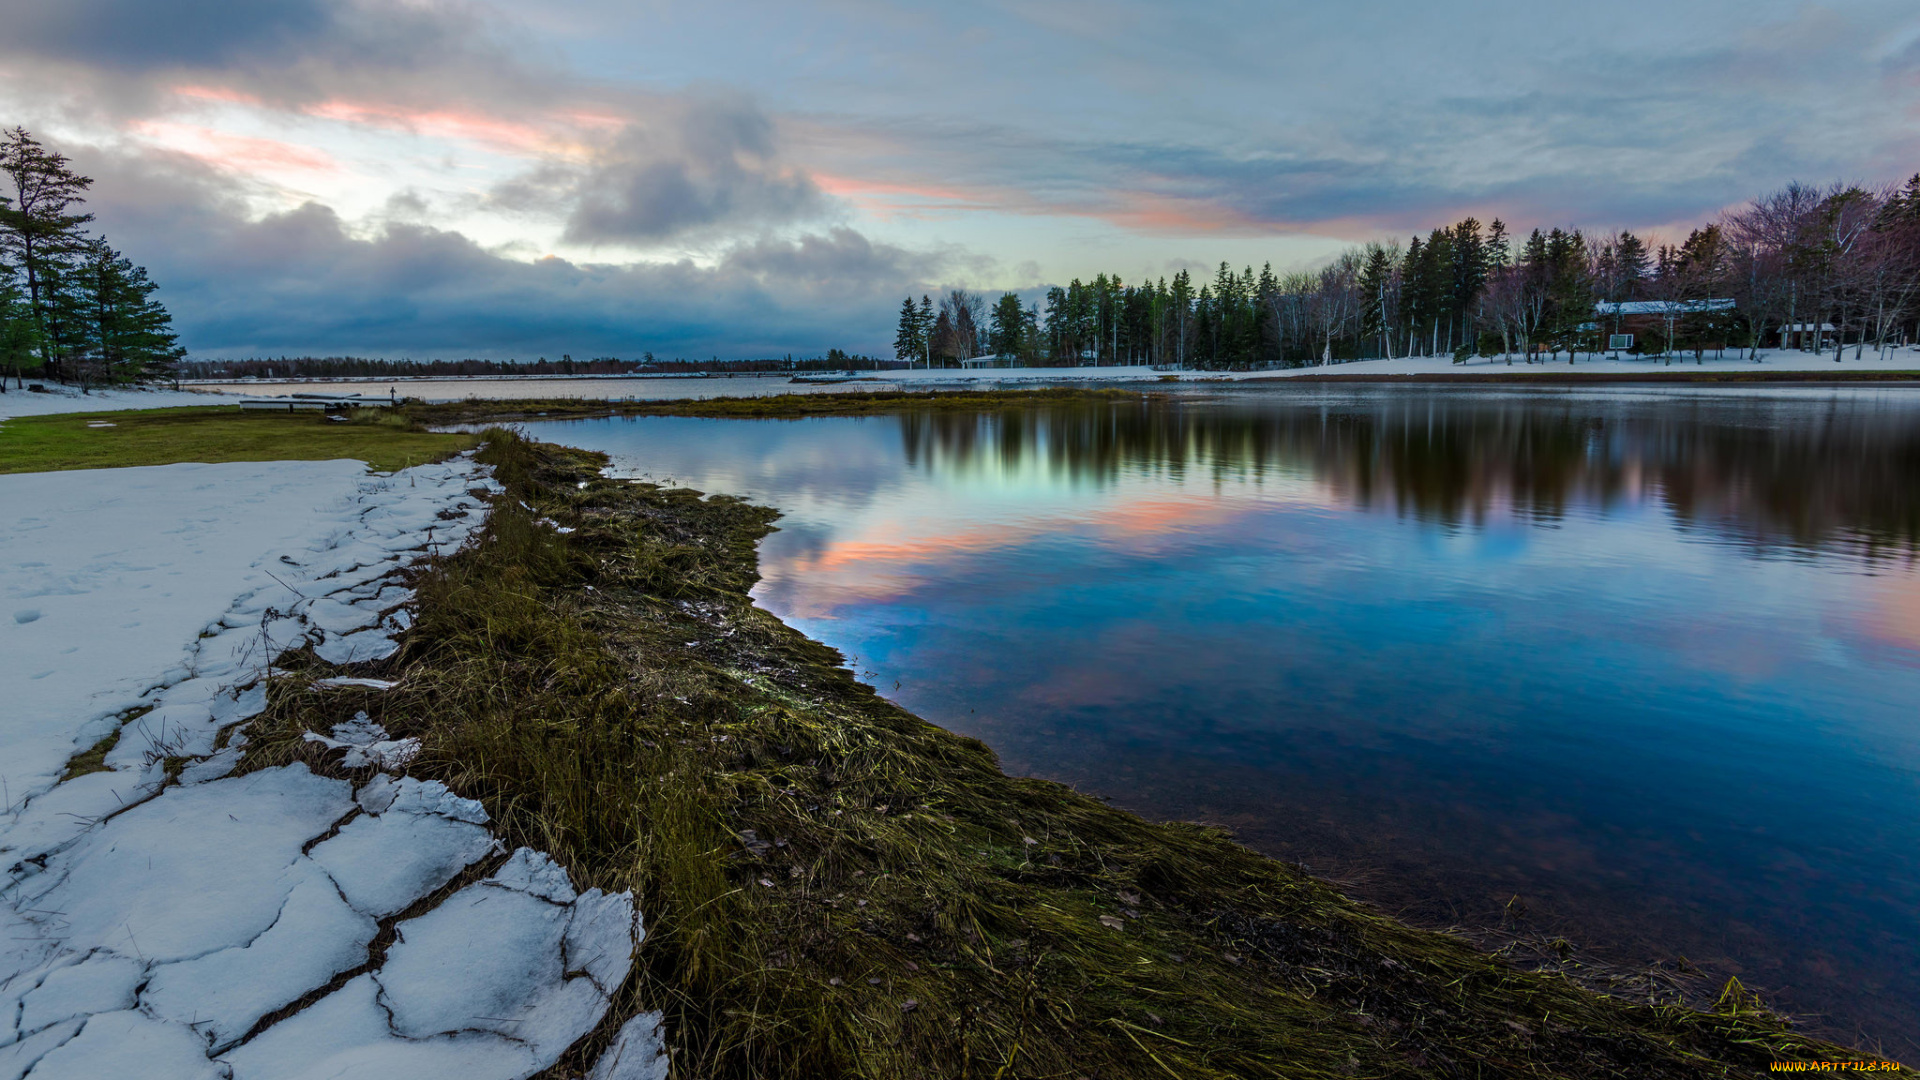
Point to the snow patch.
(129, 1043)
(66, 399)
(342, 682)
(492, 958)
(413, 839)
(366, 744)
(639, 1052)
(223, 993)
(101, 982)
(147, 926)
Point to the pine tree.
(143, 341)
(1375, 314)
(1006, 325)
(38, 231)
(17, 334)
(1905, 204)
(1499, 252)
(1180, 299)
(943, 336)
(1469, 282)
(1417, 300)
(907, 344)
(926, 329)
(1569, 289)
(1056, 329)
(1632, 264)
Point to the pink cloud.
(240, 152)
(466, 125)
(224, 94)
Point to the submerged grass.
(382, 438)
(834, 887)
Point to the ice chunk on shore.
(366, 744)
(639, 1052)
(344, 681)
(415, 837)
(437, 982)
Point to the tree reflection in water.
(1772, 473)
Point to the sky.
(440, 178)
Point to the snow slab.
(482, 987)
(366, 744)
(129, 1044)
(161, 927)
(639, 1052)
(413, 840)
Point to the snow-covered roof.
(1661, 307)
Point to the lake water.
(1648, 661)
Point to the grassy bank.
(834, 887)
(775, 407)
(384, 440)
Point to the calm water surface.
(1649, 661)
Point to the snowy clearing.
(66, 399)
(642, 388)
(163, 927)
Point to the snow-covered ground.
(66, 399)
(1906, 359)
(656, 388)
(1775, 360)
(166, 927)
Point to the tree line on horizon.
(1841, 261)
(72, 308)
(363, 367)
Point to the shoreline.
(834, 886)
(594, 671)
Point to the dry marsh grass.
(834, 887)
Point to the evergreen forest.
(1840, 265)
(72, 308)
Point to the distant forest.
(1841, 264)
(360, 367)
(71, 307)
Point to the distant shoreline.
(1577, 376)
(302, 379)
(1797, 370)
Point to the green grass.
(383, 440)
(834, 887)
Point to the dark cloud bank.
(302, 282)
(702, 169)
(690, 165)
